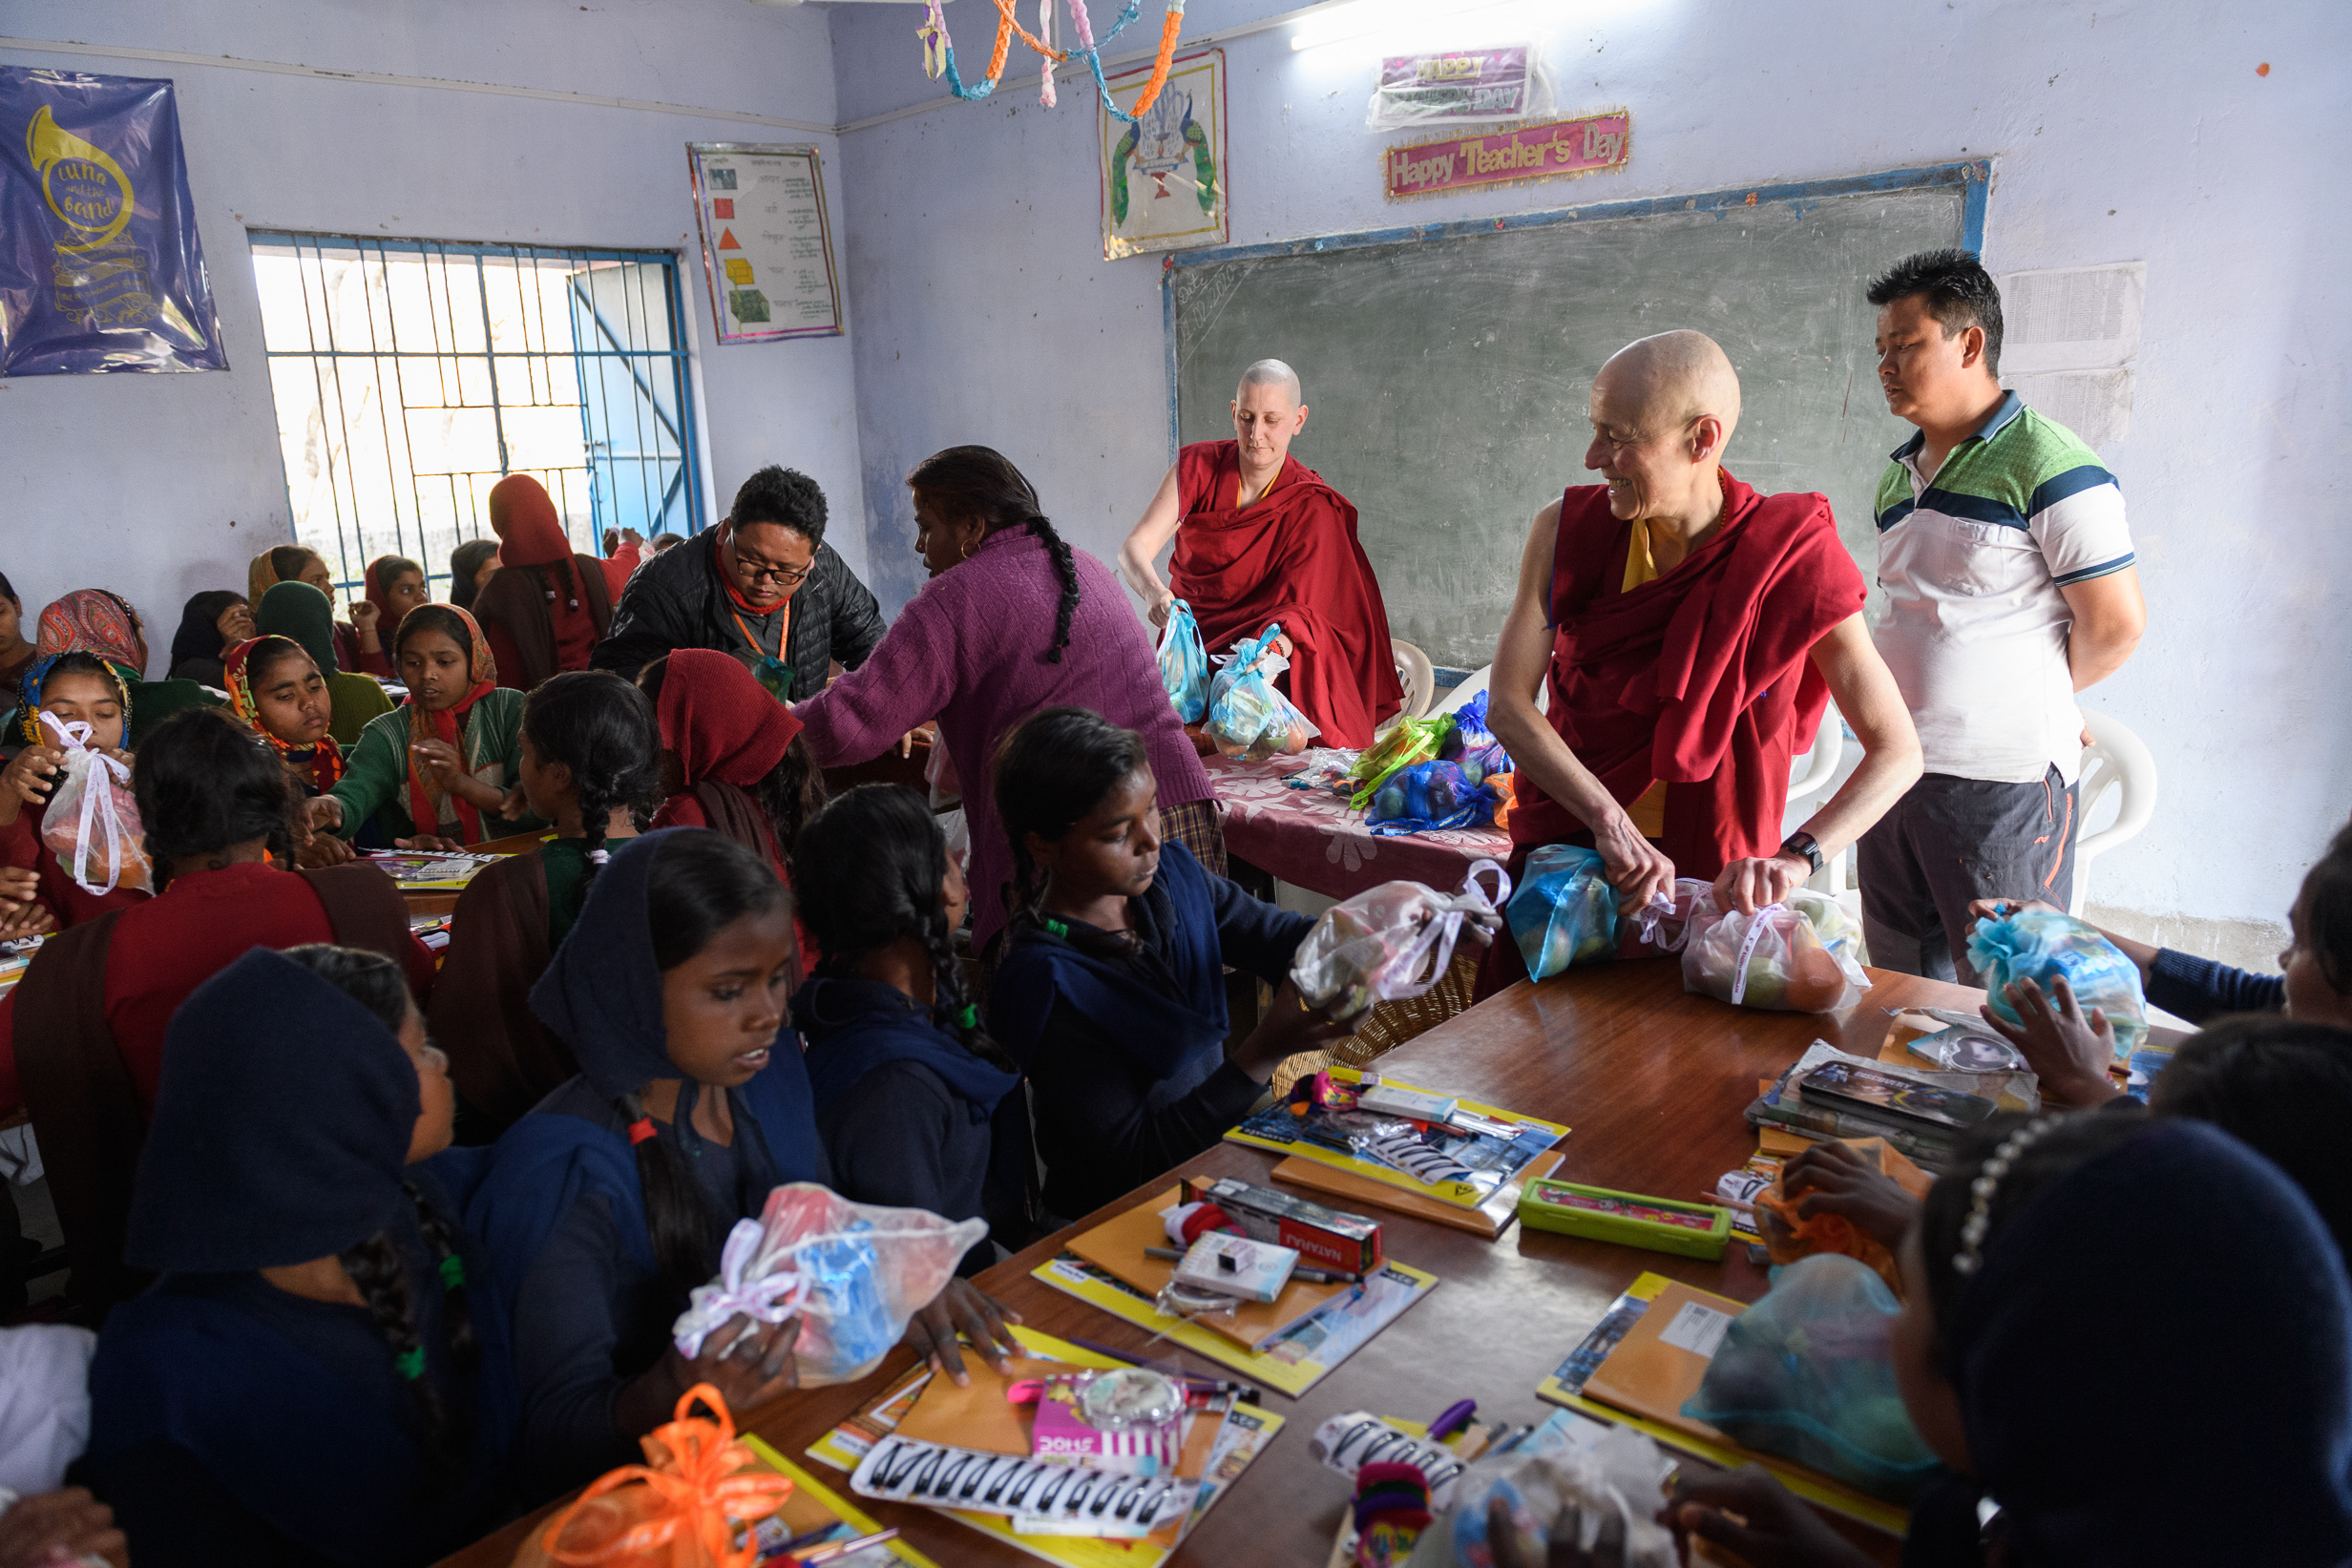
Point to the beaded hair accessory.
(1970, 1257)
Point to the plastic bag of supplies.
(1391, 942)
(854, 1274)
(1801, 956)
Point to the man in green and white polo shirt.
(2008, 572)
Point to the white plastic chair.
(1478, 681)
(2117, 760)
(1417, 675)
(1809, 775)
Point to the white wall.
(158, 485)
(2118, 131)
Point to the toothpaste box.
(1323, 1238)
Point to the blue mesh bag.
(1564, 911)
(1184, 664)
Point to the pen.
(842, 1549)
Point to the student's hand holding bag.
(747, 1361)
(28, 779)
(1289, 1028)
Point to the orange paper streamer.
(691, 1499)
(1170, 26)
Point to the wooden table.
(1651, 1079)
(427, 901)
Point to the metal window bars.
(411, 376)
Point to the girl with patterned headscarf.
(98, 621)
(442, 769)
(72, 689)
(276, 688)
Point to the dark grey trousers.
(1949, 841)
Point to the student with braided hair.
(313, 1378)
(1111, 990)
(1012, 620)
(590, 758)
(919, 1108)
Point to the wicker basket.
(1390, 1024)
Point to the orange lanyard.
(783, 632)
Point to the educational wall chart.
(1164, 173)
(100, 267)
(767, 249)
(1582, 146)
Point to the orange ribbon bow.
(697, 1492)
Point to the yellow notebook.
(1231, 1446)
(1117, 1249)
(1645, 1381)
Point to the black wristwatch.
(1803, 844)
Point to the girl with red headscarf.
(394, 586)
(436, 769)
(548, 606)
(729, 761)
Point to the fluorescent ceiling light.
(1355, 20)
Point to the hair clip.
(453, 1272)
(969, 1018)
(641, 1130)
(411, 1364)
(1058, 927)
(1971, 1255)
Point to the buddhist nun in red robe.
(1261, 538)
(1689, 633)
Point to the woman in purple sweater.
(1012, 620)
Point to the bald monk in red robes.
(1689, 631)
(1260, 537)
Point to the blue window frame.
(410, 376)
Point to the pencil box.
(1692, 1231)
(1323, 1238)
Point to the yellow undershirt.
(1648, 809)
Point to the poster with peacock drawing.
(1164, 185)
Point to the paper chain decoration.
(939, 51)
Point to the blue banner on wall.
(100, 269)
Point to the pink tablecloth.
(1312, 839)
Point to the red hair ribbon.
(641, 1130)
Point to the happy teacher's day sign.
(1556, 149)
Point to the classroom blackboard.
(1446, 369)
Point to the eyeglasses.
(781, 576)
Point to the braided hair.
(603, 731)
(1049, 774)
(202, 782)
(700, 884)
(788, 794)
(881, 859)
(376, 1264)
(982, 482)
(381, 1273)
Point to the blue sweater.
(1124, 1044)
(2197, 989)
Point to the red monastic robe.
(1291, 557)
(1699, 678)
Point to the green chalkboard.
(1447, 371)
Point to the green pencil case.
(1692, 1230)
